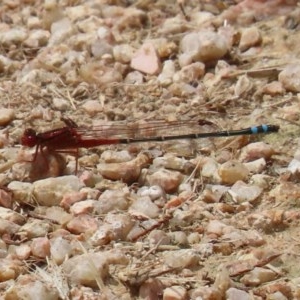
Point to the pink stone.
(146, 60)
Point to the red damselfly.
(72, 137)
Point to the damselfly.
(72, 136)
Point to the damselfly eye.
(29, 138)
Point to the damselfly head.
(29, 138)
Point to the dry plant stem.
(41, 217)
(158, 224)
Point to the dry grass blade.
(55, 278)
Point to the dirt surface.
(187, 219)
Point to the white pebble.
(204, 46)
(60, 31)
(112, 200)
(201, 17)
(172, 26)
(215, 227)
(290, 78)
(256, 166)
(13, 36)
(60, 249)
(145, 206)
(50, 191)
(110, 156)
(29, 287)
(86, 268)
(60, 104)
(37, 38)
(182, 258)
(154, 192)
(234, 294)
(123, 53)
(92, 107)
(166, 76)
(22, 192)
(242, 192)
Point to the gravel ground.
(213, 218)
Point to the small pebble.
(35, 228)
(202, 46)
(84, 269)
(83, 207)
(30, 286)
(178, 238)
(194, 238)
(243, 86)
(145, 206)
(61, 30)
(165, 78)
(191, 73)
(173, 26)
(13, 36)
(256, 166)
(154, 192)
(183, 258)
(40, 247)
(258, 276)
(92, 107)
(250, 37)
(100, 48)
(37, 38)
(82, 224)
(152, 288)
(50, 191)
(206, 293)
(6, 116)
(199, 18)
(242, 192)
(273, 88)
(11, 215)
(6, 199)
(290, 78)
(61, 104)
(175, 293)
(109, 156)
(169, 181)
(23, 251)
(112, 200)
(255, 151)
(134, 77)
(232, 171)
(123, 53)
(128, 172)
(158, 237)
(236, 294)
(215, 227)
(146, 60)
(60, 249)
